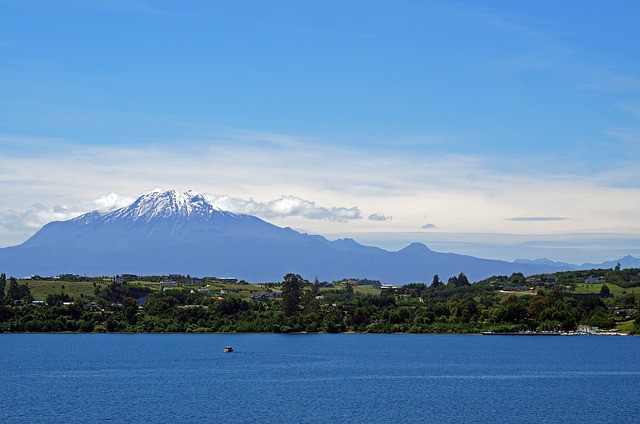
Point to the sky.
(497, 129)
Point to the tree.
(348, 287)
(332, 322)
(57, 299)
(605, 290)
(23, 291)
(463, 280)
(3, 283)
(291, 293)
(436, 282)
(517, 279)
(630, 301)
(513, 311)
(129, 310)
(14, 291)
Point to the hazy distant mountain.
(625, 262)
(545, 261)
(173, 232)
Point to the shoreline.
(484, 333)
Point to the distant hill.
(544, 261)
(171, 232)
(625, 262)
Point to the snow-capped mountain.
(172, 232)
(170, 204)
(158, 206)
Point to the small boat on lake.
(228, 349)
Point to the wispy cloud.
(379, 217)
(134, 6)
(428, 226)
(630, 137)
(537, 218)
(631, 108)
(606, 81)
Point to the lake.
(318, 378)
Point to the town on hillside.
(598, 301)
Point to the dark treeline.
(452, 307)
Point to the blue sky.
(475, 127)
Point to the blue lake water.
(318, 378)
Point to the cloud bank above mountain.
(285, 206)
(462, 194)
(34, 217)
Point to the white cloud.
(462, 193)
(285, 206)
(379, 217)
(112, 201)
(37, 215)
(34, 217)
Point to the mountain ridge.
(172, 232)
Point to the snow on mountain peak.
(167, 204)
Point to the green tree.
(332, 322)
(3, 283)
(14, 291)
(129, 310)
(57, 299)
(605, 290)
(463, 280)
(348, 287)
(114, 324)
(512, 311)
(316, 286)
(517, 279)
(291, 293)
(24, 292)
(630, 301)
(436, 282)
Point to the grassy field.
(367, 290)
(595, 288)
(41, 289)
(625, 326)
(149, 284)
(241, 290)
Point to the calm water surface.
(318, 378)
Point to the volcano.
(173, 232)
